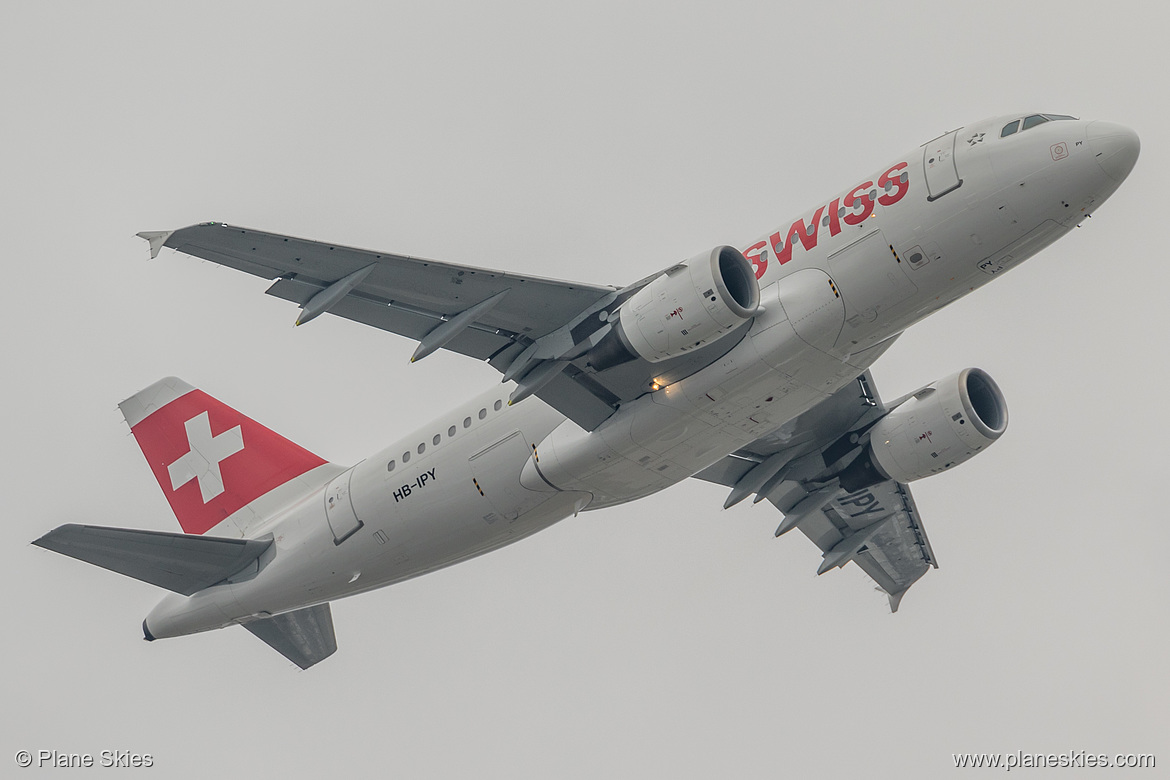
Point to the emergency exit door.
(938, 163)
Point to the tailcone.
(178, 615)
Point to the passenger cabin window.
(497, 405)
(390, 466)
(1032, 121)
(450, 431)
(1009, 128)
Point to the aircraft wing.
(404, 295)
(878, 527)
(531, 329)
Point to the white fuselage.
(838, 284)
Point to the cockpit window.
(1029, 122)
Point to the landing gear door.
(938, 162)
(813, 304)
(343, 520)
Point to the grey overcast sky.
(595, 141)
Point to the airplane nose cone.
(1115, 146)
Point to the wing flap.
(727, 471)
(181, 563)
(304, 637)
(573, 400)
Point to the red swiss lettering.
(894, 181)
(866, 204)
(798, 231)
(901, 187)
(834, 217)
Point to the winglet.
(156, 238)
(896, 599)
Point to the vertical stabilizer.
(209, 459)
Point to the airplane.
(745, 367)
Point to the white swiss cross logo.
(207, 451)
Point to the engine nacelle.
(684, 308)
(942, 425)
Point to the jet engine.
(942, 425)
(686, 307)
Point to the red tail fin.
(209, 459)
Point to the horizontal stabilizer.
(304, 637)
(178, 562)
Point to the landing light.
(655, 386)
